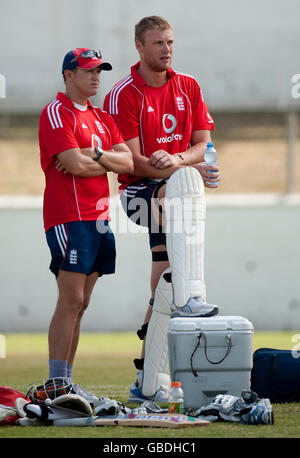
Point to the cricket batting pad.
(156, 363)
(185, 212)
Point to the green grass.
(104, 366)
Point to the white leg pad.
(156, 362)
(185, 209)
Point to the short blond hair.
(149, 23)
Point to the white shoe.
(136, 395)
(91, 398)
(195, 307)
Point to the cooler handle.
(229, 340)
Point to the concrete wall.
(244, 53)
(252, 268)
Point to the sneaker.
(91, 398)
(195, 307)
(135, 392)
(136, 395)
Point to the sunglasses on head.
(90, 53)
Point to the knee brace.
(185, 213)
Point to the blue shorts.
(82, 246)
(136, 200)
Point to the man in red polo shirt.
(79, 144)
(165, 122)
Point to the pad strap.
(139, 363)
(143, 331)
(159, 256)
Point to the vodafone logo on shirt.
(96, 141)
(169, 123)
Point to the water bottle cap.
(210, 144)
(176, 384)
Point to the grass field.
(253, 159)
(104, 366)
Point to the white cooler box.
(210, 356)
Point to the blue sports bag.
(276, 375)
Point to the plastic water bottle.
(211, 157)
(176, 398)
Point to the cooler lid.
(214, 323)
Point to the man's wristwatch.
(99, 153)
(181, 157)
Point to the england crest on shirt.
(180, 103)
(100, 128)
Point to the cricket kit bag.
(8, 413)
(276, 375)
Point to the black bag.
(276, 375)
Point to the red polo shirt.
(68, 197)
(162, 117)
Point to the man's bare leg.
(88, 289)
(74, 293)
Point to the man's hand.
(59, 166)
(210, 174)
(160, 159)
